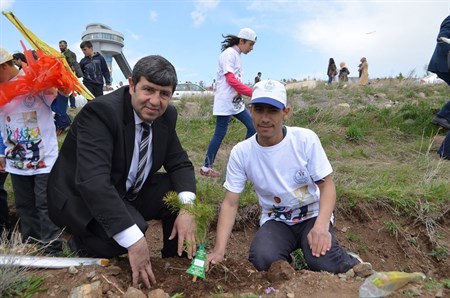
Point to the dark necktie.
(143, 153)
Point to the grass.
(17, 281)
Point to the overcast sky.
(295, 38)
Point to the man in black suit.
(92, 189)
(439, 64)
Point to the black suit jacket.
(88, 180)
(438, 62)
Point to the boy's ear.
(287, 111)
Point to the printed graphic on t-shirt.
(238, 102)
(293, 207)
(24, 141)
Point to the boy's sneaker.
(209, 172)
(355, 255)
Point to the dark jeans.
(221, 130)
(59, 106)
(276, 240)
(445, 110)
(147, 206)
(4, 209)
(31, 204)
(96, 90)
(72, 101)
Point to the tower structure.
(109, 44)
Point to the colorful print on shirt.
(25, 141)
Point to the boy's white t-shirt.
(229, 61)
(29, 134)
(283, 175)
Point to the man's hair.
(20, 56)
(63, 41)
(155, 69)
(86, 44)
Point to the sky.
(295, 38)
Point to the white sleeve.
(129, 236)
(236, 176)
(318, 164)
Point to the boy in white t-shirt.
(28, 131)
(291, 176)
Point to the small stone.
(279, 271)
(91, 274)
(439, 293)
(72, 270)
(86, 291)
(133, 293)
(157, 293)
(350, 273)
(114, 270)
(415, 291)
(290, 295)
(363, 269)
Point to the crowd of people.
(342, 74)
(104, 205)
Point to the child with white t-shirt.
(28, 131)
(291, 175)
(228, 101)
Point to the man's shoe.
(209, 172)
(76, 249)
(355, 255)
(441, 122)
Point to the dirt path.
(366, 231)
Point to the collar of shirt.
(138, 121)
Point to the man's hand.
(214, 258)
(139, 258)
(185, 227)
(319, 240)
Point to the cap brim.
(269, 101)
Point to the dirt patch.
(364, 229)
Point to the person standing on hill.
(227, 98)
(292, 179)
(343, 73)
(364, 71)
(94, 69)
(439, 64)
(331, 71)
(258, 77)
(71, 58)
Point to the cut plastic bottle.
(381, 284)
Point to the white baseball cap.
(5, 56)
(248, 34)
(269, 92)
